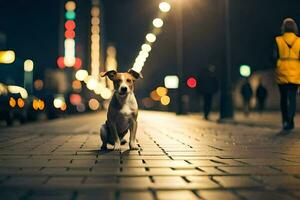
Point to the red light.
(60, 62)
(78, 63)
(70, 25)
(75, 99)
(191, 82)
(70, 34)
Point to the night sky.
(32, 29)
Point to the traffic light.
(191, 82)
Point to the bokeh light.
(58, 102)
(70, 25)
(150, 37)
(20, 103)
(38, 84)
(191, 82)
(161, 91)
(12, 102)
(94, 104)
(171, 82)
(28, 65)
(154, 96)
(81, 75)
(70, 6)
(75, 99)
(70, 15)
(146, 48)
(60, 62)
(157, 22)
(245, 70)
(165, 100)
(76, 85)
(7, 57)
(164, 6)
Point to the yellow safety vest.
(288, 64)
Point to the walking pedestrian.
(261, 96)
(287, 55)
(208, 86)
(246, 92)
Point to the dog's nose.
(123, 89)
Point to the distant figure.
(286, 55)
(246, 92)
(208, 86)
(261, 96)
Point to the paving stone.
(176, 195)
(214, 195)
(145, 195)
(265, 195)
(236, 181)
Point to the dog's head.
(123, 81)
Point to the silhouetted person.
(261, 96)
(246, 92)
(287, 58)
(208, 86)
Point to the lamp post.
(226, 104)
(28, 75)
(179, 56)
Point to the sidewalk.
(267, 119)
(181, 157)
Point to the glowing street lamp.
(7, 57)
(81, 74)
(28, 75)
(28, 65)
(150, 37)
(245, 71)
(158, 22)
(164, 7)
(146, 48)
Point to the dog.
(122, 111)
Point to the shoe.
(286, 126)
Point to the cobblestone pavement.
(180, 158)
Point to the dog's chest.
(126, 110)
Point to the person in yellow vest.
(287, 55)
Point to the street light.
(28, 75)
(146, 48)
(245, 71)
(158, 22)
(28, 65)
(7, 57)
(150, 37)
(164, 6)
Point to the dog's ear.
(111, 74)
(135, 74)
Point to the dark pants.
(207, 104)
(261, 104)
(288, 94)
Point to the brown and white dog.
(122, 111)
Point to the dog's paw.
(103, 148)
(133, 146)
(117, 147)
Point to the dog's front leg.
(114, 132)
(132, 139)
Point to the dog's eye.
(128, 80)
